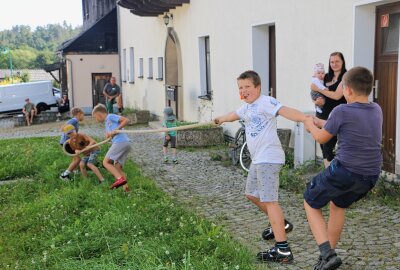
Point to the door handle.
(271, 90)
(376, 89)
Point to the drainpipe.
(72, 82)
(119, 43)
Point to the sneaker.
(118, 182)
(165, 159)
(175, 161)
(65, 177)
(332, 262)
(268, 234)
(276, 254)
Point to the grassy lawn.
(51, 224)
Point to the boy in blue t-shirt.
(356, 167)
(77, 116)
(119, 150)
(170, 137)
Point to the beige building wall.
(80, 79)
(306, 33)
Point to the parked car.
(12, 97)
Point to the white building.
(208, 43)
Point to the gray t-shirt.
(112, 90)
(358, 127)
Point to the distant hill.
(32, 49)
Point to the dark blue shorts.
(339, 185)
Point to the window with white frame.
(160, 63)
(131, 78)
(205, 67)
(140, 67)
(150, 68)
(123, 65)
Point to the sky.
(39, 12)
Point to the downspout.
(119, 46)
(72, 82)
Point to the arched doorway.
(173, 74)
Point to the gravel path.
(371, 239)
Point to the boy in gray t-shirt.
(356, 167)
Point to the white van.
(12, 97)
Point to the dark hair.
(329, 76)
(360, 80)
(250, 74)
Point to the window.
(131, 64)
(124, 65)
(205, 68)
(140, 67)
(150, 69)
(160, 75)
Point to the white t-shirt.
(319, 83)
(261, 130)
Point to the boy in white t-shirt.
(259, 115)
(318, 80)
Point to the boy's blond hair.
(100, 108)
(75, 111)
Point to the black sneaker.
(268, 234)
(65, 177)
(276, 254)
(332, 262)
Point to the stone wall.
(201, 137)
(139, 117)
(43, 117)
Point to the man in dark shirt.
(111, 92)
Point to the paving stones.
(371, 237)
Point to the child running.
(318, 80)
(170, 137)
(119, 150)
(355, 169)
(77, 116)
(259, 115)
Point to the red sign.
(385, 20)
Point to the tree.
(33, 49)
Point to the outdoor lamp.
(166, 19)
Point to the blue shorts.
(92, 158)
(339, 185)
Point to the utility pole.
(4, 51)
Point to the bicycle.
(239, 151)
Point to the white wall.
(81, 79)
(306, 33)
(231, 43)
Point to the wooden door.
(99, 80)
(272, 61)
(386, 66)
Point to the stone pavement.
(371, 239)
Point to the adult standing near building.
(112, 92)
(29, 110)
(333, 97)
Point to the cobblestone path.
(371, 238)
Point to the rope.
(140, 132)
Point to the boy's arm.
(336, 95)
(123, 121)
(320, 135)
(292, 114)
(230, 117)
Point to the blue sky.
(39, 12)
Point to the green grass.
(51, 224)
